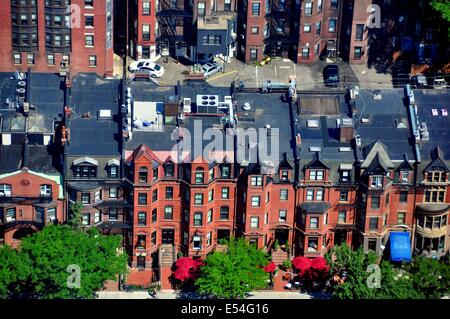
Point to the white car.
(211, 68)
(156, 70)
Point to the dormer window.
(345, 176)
(225, 171)
(316, 175)
(256, 180)
(284, 175)
(199, 176)
(404, 176)
(211, 174)
(155, 173)
(436, 177)
(377, 182)
(113, 168)
(169, 170)
(143, 175)
(345, 171)
(85, 167)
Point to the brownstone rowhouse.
(35, 35)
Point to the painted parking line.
(224, 74)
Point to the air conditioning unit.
(104, 114)
(187, 105)
(228, 99)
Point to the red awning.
(301, 263)
(270, 267)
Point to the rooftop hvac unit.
(315, 149)
(312, 123)
(26, 107)
(228, 98)
(347, 122)
(358, 140)
(377, 95)
(104, 114)
(187, 105)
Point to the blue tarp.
(400, 246)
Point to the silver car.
(210, 69)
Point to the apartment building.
(57, 36)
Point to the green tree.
(235, 272)
(351, 265)
(396, 283)
(430, 277)
(443, 7)
(52, 250)
(75, 215)
(14, 272)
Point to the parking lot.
(279, 70)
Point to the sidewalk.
(171, 294)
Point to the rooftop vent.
(312, 123)
(315, 149)
(377, 95)
(246, 106)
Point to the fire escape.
(281, 33)
(175, 25)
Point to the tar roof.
(438, 125)
(384, 120)
(39, 159)
(90, 135)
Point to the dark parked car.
(331, 75)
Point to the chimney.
(345, 131)
(26, 153)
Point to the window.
(97, 196)
(404, 177)
(267, 197)
(211, 174)
(342, 216)
(185, 238)
(319, 195)
(89, 40)
(401, 217)
(225, 192)
(113, 192)
(313, 244)
(142, 198)
(113, 214)
(284, 175)
(256, 6)
(10, 214)
(255, 30)
(319, 5)
(46, 190)
(39, 215)
(199, 177)
(266, 218)
(154, 237)
(209, 216)
(282, 215)
(359, 32)
(155, 173)
(372, 244)
(332, 25)
(377, 181)
(224, 212)
(313, 222)
(375, 202)
(284, 194)
(154, 195)
(435, 195)
(227, 5)
(316, 175)
(86, 219)
(373, 223)
(403, 196)
(208, 239)
(146, 32)
(96, 217)
(210, 195)
(198, 199)
(146, 7)
(17, 58)
(343, 196)
(168, 170)
(168, 212)
(309, 195)
(254, 222)
(253, 54)
(141, 239)
(169, 192)
(113, 170)
(334, 4)
(198, 219)
(201, 8)
(358, 53)
(256, 201)
(436, 177)
(85, 171)
(143, 175)
(85, 198)
(345, 176)
(197, 242)
(318, 27)
(225, 171)
(30, 58)
(308, 8)
(256, 180)
(5, 190)
(92, 60)
(89, 21)
(142, 218)
(50, 59)
(88, 3)
(317, 49)
(307, 28)
(154, 216)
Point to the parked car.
(155, 70)
(211, 68)
(331, 75)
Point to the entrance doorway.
(340, 237)
(282, 236)
(168, 236)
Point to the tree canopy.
(235, 272)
